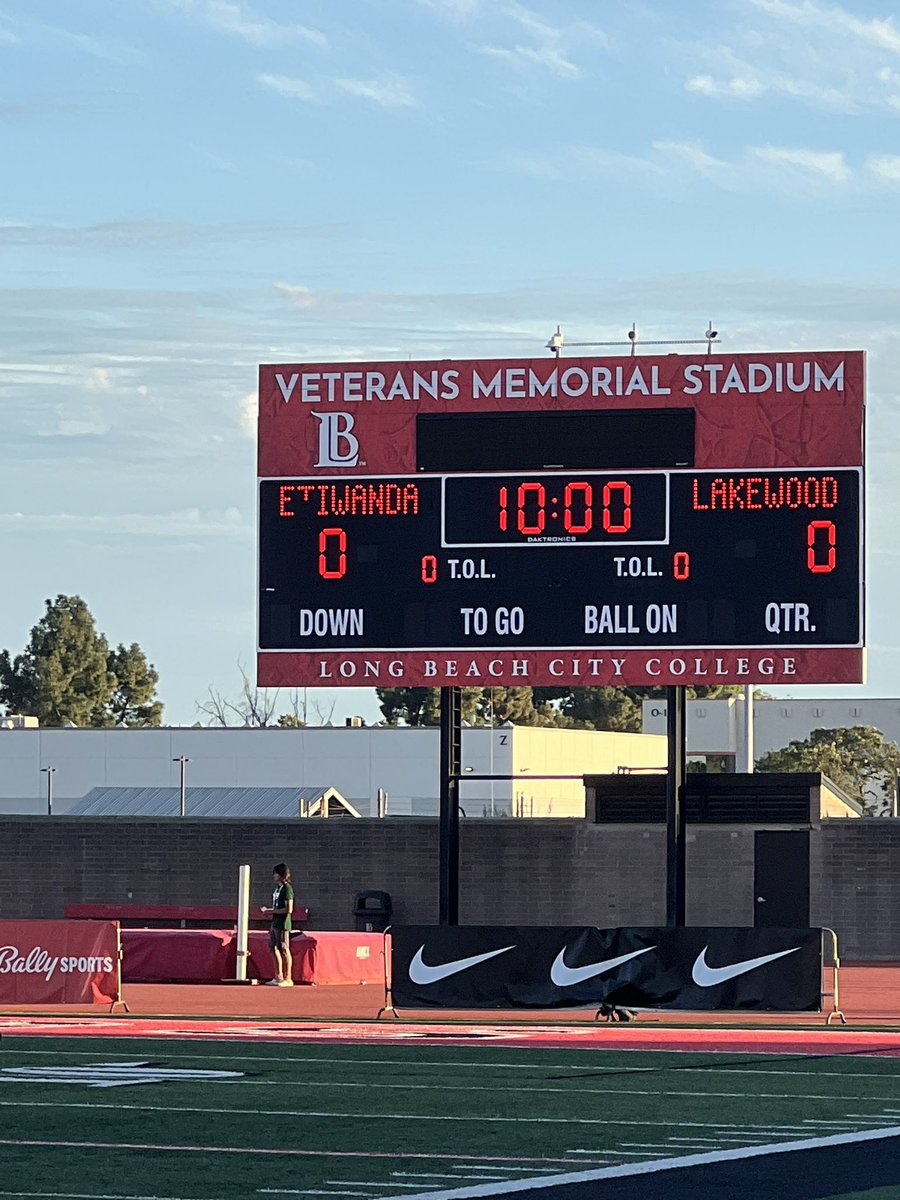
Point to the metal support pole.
(675, 843)
(749, 755)
(49, 773)
(183, 760)
(450, 767)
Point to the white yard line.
(87, 1196)
(539, 1161)
(308, 1192)
(317, 1114)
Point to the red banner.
(545, 668)
(59, 962)
(753, 410)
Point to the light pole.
(48, 771)
(492, 750)
(184, 760)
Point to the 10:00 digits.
(531, 508)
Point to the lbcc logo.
(338, 445)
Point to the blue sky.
(192, 187)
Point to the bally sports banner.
(693, 969)
(59, 962)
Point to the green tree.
(133, 701)
(418, 706)
(290, 721)
(612, 708)
(63, 674)
(616, 708)
(67, 673)
(500, 704)
(857, 758)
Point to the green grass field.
(346, 1120)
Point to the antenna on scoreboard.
(557, 341)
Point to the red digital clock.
(556, 509)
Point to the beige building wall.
(574, 752)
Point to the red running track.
(827, 1040)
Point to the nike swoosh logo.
(707, 976)
(420, 972)
(564, 976)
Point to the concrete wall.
(541, 871)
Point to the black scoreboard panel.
(570, 439)
(552, 559)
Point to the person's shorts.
(279, 938)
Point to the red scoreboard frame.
(632, 521)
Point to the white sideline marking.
(460, 1087)
(734, 1068)
(648, 1168)
(316, 1114)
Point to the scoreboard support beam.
(450, 768)
(676, 720)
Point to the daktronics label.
(626, 530)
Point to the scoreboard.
(477, 523)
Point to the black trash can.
(372, 911)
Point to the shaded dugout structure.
(777, 811)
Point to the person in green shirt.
(280, 929)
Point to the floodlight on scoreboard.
(533, 540)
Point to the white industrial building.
(57, 767)
(721, 726)
(62, 765)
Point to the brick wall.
(855, 886)
(540, 872)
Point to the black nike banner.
(697, 969)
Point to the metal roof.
(271, 802)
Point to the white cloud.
(286, 85)
(458, 10)
(108, 49)
(740, 89)
(574, 162)
(698, 159)
(551, 46)
(829, 164)
(744, 171)
(98, 380)
(879, 32)
(297, 294)
(249, 414)
(544, 56)
(750, 83)
(390, 92)
(241, 21)
(835, 62)
(188, 522)
(885, 167)
(78, 427)
(144, 234)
